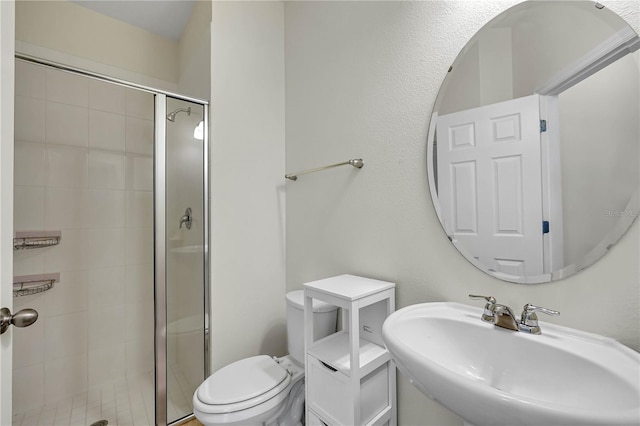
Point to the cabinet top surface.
(349, 286)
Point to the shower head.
(172, 115)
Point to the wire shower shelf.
(26, 285)
(36, 239)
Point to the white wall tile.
(66, 335)
(105, 208)
(106, 364)
(67, 167)
(70, 295)
(67, 88)
(106, 327)
(139, 283)
(65, 377)
(28, 387)
(29, 80)
(28, 345)
(139, 246)
(139, 356)
(66, 208)
(106, 288)
(46, 415)
(29, 163)
(106, 170)
(28, 208)
(139, 208)
(106, 130)
(139, 136)
(29, 119)
(72, 254)
(140, 320)
(140, 104)
(67, 124)
(27, 262)
(105, 248)
(139, 175)
(107, 97)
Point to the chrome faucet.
(503, 316)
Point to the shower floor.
(121, 403)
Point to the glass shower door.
(83, 173)
(185, 254)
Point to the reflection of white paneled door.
(489, 184)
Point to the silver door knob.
(22, 318)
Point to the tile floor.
(121, 403)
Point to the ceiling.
(163, 17)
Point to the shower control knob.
(22, 318)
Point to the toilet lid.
(244, 384)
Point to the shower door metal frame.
(160, 241)
(160, 254)
(160, 202)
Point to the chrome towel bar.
(356, 162)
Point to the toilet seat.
(242, 385)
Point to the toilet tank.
(324, 318)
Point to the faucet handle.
(487, 315)
(532, 309)
(529, 319)
(489, 299)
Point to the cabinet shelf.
(334, 350)
(350, 378)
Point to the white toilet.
(262, 390)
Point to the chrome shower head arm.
(172, 115)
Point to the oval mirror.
(534, 152)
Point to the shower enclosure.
(111, 199)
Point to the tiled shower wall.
(83, 165)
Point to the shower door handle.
(22, 318)
(187, 218)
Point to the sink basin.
(493, 376)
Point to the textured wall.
(247, 188)
(361, 80)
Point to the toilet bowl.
(264, 390)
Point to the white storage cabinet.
(350, 378)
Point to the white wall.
(194, 53)
(98, 39)
(361, 81)
(247, 185)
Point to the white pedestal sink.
(493, 376)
